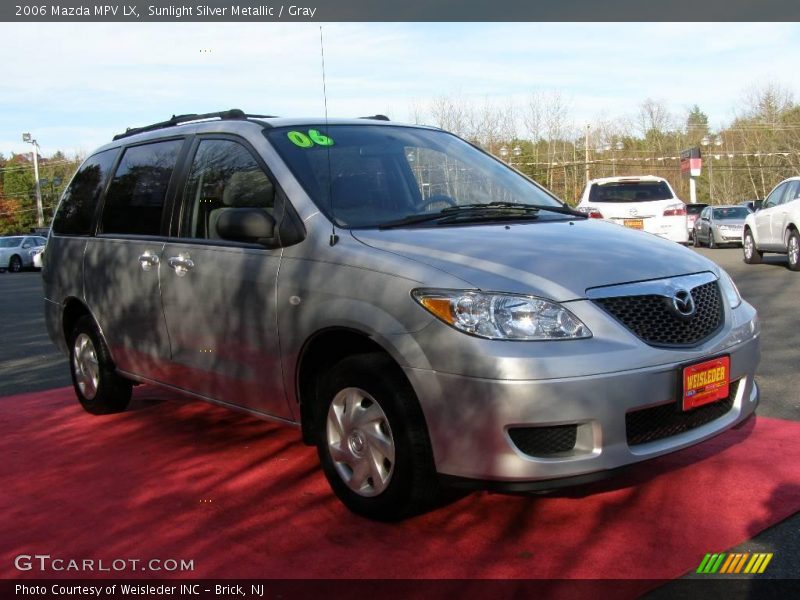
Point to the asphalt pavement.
(30, 362)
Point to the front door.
(764, 216)
(219, 296)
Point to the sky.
(73, 86)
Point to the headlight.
(729, 289)
(35, 251)
(500, 316)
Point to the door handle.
(148, 260)
(181, 264)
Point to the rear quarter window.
(76, 211)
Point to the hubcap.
(85, 366)
(360, 442)
(794, 250)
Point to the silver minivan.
(426, 315)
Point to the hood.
(559, 260)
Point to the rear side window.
(75, 213)
(630, 191)
(135, 199)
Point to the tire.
(98, 387)
(712, 243)
(752, 255)
(14, 264)
(793, 250)
(695, 239)
(372, 439)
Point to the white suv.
(773, 227)
(641, 202)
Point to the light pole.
(706, 141)
(26, 137)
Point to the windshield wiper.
(481, 211)
(563, 210)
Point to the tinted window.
(630, 191)
(135, 199)
(694, 209)
(74, 215)
(224, 176)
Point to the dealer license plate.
(705, 382)
(634, 223)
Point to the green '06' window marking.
(302, 140)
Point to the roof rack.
(233, 114)
(377, 118)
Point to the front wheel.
(793, 251)
(695, 240)
(752, 255)
(98, 387)
(15, 264)
(372, 440)
(712, 243)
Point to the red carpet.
(245, 499)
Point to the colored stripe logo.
(743, 562)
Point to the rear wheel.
(793, 251)
(372, 440)
(98, 387)
(15, 264)
(752, 255)
(695, 239)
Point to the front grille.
(544, 441)
(654, 320)
(666, 420)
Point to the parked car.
(16, 251)
(773, 228)
(645, 202)
(719, 225)
(425, 314)
(692, 212)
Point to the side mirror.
(251, 225)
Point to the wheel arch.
(74, 309)
(319, 353)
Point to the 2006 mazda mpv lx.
(423, 312)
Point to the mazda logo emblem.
(683, 303)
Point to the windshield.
(10, 242)
(630, 191)
(695, 209)
(733, 212)
(367, 175)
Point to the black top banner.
(405, 10)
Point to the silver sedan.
(719, 225)
(17, 252)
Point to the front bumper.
(469, 418)
(729, 236)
